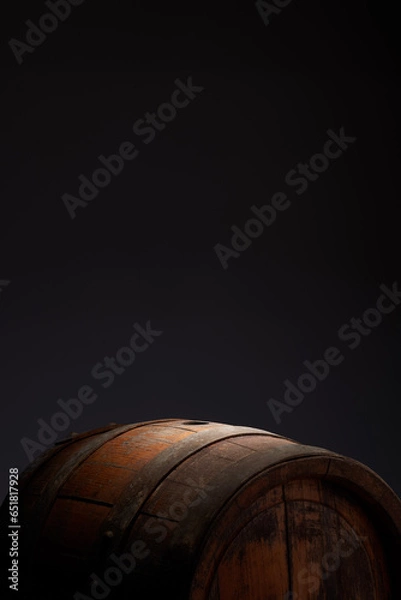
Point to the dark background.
(143, 249)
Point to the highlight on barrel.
(196, 510)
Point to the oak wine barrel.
(197, 510)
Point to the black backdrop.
(143, 249)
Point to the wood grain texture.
(211, 512)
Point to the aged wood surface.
(213, 512)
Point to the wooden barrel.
(205, 511)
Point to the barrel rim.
(348, 473)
